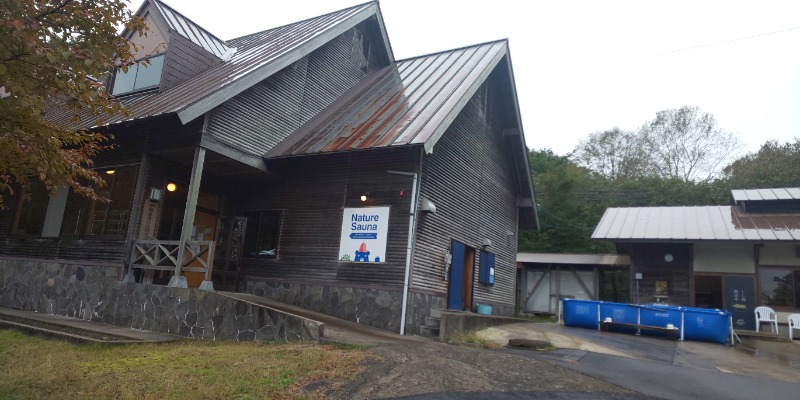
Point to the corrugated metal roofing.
(410, 103)
(695, 223)
(190, 30)
(258, 56)
(766, 194)
(579, 259)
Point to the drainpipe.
(412, 217)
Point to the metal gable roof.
(412, 102)
(190, 30)
(258, 56)
(727, 223)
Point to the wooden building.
(734, 257)
(304, 164)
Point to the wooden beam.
(188, 214)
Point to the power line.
(722, 42)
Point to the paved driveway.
(667, 369)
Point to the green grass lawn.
(39, 368)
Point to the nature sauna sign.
(364, 232)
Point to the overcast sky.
(588, 66)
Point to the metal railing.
(162, 255)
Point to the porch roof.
(574, 259)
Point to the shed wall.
(724, 257)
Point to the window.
(94, 219)
(780, 286)
(31, 209)
(262, 234)
(139, 76)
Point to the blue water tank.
(619, 313)
(580, 313)
(706, 324)
(660, 316)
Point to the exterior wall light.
(365, 197)
(171, 187)
(110, 171)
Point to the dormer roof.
(185, 27)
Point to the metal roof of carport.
(722, 223)
(766, 194)
(579, 259)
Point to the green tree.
(51, 54)
(773, 165)
(614, 154)
(687, 144)
(567, 220)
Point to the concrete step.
(433, 322)
(436, 313)
(429, 332)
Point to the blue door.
(455, 299)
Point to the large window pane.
(263, 232)
(149, 75)
(777, 286)
(123, 81)
(31, 210)
(139, 76)
(111, 219)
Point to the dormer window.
(139, 76)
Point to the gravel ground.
(442, 371)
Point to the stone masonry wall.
(95, 293)
(374, 307)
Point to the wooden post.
(133, 221)
(179, 280)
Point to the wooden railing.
(162, 255)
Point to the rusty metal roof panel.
(404, 103)
(725, 223)
(190, 30)
(766, 194)
(258, 56)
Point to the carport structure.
(544, 278)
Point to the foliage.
(41, 369)
(773, 165)
(51, 52)
(615, 154)
(687, 144)
(566, 218)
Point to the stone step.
(428, 331)
(433, 322)
(436, 313)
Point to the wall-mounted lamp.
(365, 197)
(486, 243)
(110, 171)
(427, 206)
(171, 187)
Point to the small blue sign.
(363, 235)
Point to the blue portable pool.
(581, 313)
(703, 324)
(706, 324)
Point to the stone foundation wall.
(419, 307)
(94, 292)
(374, 307)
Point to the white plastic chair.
(766, 314)
(794, 323)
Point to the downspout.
(412, 220)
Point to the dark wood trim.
(64, 261)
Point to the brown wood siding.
(264, 115)
(184, 60)
(311, 193)
(470, 178)
(648, 259)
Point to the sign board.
(740, 300)
(364, 231)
